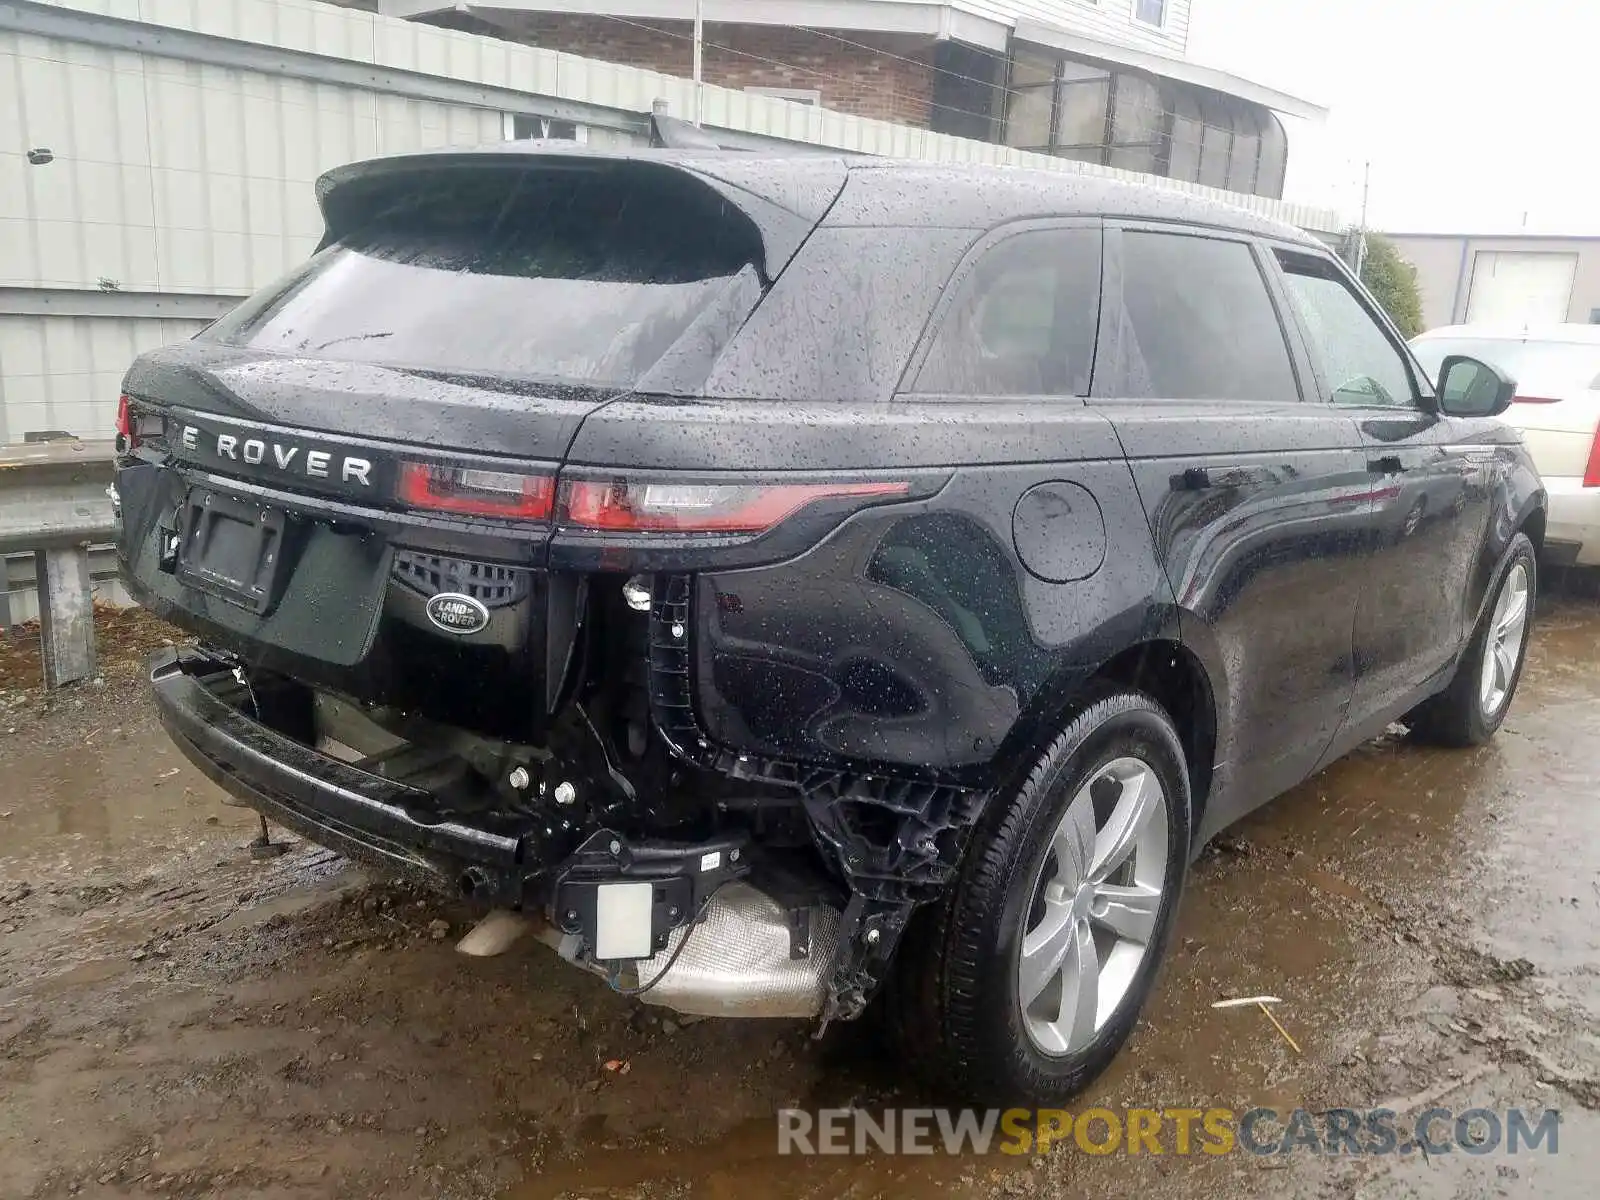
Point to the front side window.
(1023, 321)
(1195, 323)
(1360, 364)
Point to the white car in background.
(1557, 408)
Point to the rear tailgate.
(349, 477)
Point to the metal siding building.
(183, 138)
(1504, 279)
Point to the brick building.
(866, 74)
(1103, 81)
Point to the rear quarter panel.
(917, 637)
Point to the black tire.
(1456, 716)
(953, 1006)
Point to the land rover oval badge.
(455, 613)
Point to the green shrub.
(1394, 282)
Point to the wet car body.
(817, 707)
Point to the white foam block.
(622, 921)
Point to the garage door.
(1519, 288)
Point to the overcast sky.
(1472, 112)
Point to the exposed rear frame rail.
(928, 821)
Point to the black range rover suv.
(784, 581)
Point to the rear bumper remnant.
(359, 814)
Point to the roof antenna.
(672, 134)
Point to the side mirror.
(1469, 387)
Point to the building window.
(1151, 12)
(1120, 118)
(1083, 101)
(810, 97)
(1031, 102)
(1138, 122)
(519, 126)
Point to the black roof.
(966, 194)
(882, 191)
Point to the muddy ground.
(179, 1018)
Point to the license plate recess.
(232, 549)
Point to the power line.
(812, 72)
(1161, 115)
(822, 33)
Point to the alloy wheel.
(1093, 907)
(1502, 648)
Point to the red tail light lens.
(1591, 473)
(477, 493)
(1534, 400)
(638, 506)
(127, 435)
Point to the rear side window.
(1023, 322)
(1195, 322)
(580, 275)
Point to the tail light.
(476, 493)
(127, 433)
(1591, 473)
(639, 506)
(1535, 400)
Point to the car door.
(1429, 489)
(1256, 499)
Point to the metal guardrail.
(55, 501)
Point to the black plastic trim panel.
(888, 875)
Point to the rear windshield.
(584, 275)
(1536, 366)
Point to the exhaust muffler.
(740, 960)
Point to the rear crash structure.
(706, 880)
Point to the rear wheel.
(1471, 709)
(1024, 982)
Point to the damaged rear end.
(462, 538)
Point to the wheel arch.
(1533, 524)
(1164, 669)
(1171, 674)
(1530, 520)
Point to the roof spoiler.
(783, 198)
